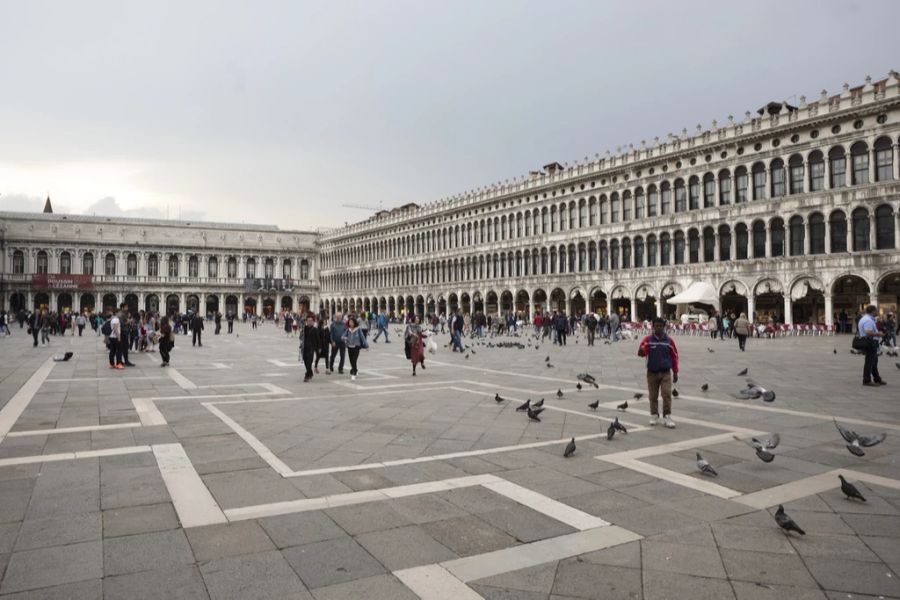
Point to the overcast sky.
(281, 112)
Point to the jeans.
(561, 337)
(45, 335)
(196, 339)
(656, 383)
(456, 337)
(230, 326)
(353, 353)
(80, 329)
(115, 352)
(384, 331)
(308, 363)
(742, 341)
(338, 347)
(590, 336)
(164, 350)
(870, 368)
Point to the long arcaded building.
(788, 211)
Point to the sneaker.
(340, 371)
(882, 382)
(654, 420)
(669, 422)
(353, 378)
(119, 366)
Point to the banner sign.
(61, 281)
(270, 284)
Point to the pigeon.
(611, 431)
(467, 356)
(473, 352)
(588, 379)
(856, 442)
(533, 414)
(578, 386)
(538, 404)
(619, 426)
(607, 342)
(638, 396)
(849, 489)
(785, 522)
(754, 391)
(623, 407)
(834, 350)
(549, 366)
(705, 467)
(762, 448)
(593, 405)
(570, 449)
(704, 387)
(674, 393)
(523, 407)
(547, 359)
(559, 393)
(710, 350)
(897, 365)
(498, 399)
(744, 372)
(65, 357)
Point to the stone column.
(182, 302)
(872, 241)
(202, 305)
(827, 182)
(29, 300)
(829, 310)
(633, 309)
(718, 193)
(788, 310)
(717, 254)
(807, 243)
(751, 306)
(873, 298)
(827, 236)
(733, 246)
(768, 242)
(52, 301)
(871, 153)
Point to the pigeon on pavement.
(524, 406)
(570, 449)
(533, 414)
(65, 357)
(593, 405)
(704, 387)
(710, 350)
(611, 431)
(578, 386)
(498, 399)
(549, 366)
(674, 393)
(588, 379)
(559, 393)
(785, 522)
(856, 442)
(538, 404)
(705, 467)
(623, 407)
(547, 359)
(849, 489)
(744, 372)
(619, 426)
(638, 395)
(762, 448)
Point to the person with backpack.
(662, 370)
(354, 340)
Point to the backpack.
(107, 327)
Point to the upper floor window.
(173, 266)
(741, 185)
(639, 204)
(709, 191)
(212, 267)
(110, 264)
(724, 189)
(680, 198)
(286, 268)
(18, 262)
(615, 205)
(153, 265)
(694, 193)
(778, 186)
(232, 268)
(131, 265)
(42, 262)
(759, 182)
(838, 167)
(65, 263)
(652, 200)
(860, 154)
(884, 160)
(304, 269)
(269, 268)
(797, 175)
(87, 263)
(193, 266)
(251, 268)
(626, 206)
(816, 172)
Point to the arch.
(884, 228)
(491, 303)
(287, 304)
(850, 295)
(598, 303)
(539, 299)
(888, 288)
(419, 305)
(110, 303)
(17, 302)
(64, 302)
(131, 300)
(250, 305)
(557, 300)
(645, 302)
(87, 303)
(521, 303)
(268, 305)
(151, 303)
(861, 228)
(193, 303)
(769, 296)
(42, 302)
(506, 302)
(212, 304)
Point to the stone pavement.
(225, 476)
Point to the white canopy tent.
(697, 292)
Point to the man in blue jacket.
(382, 328)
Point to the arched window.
(759, 239)
(776, 168)
(153, 265)
(638, 252)
(18, 262)
(582, 258)
(693, 246)
(614, 255)
(131, 265)
(838, 224)
(665, 194)
(582, 214)
(572, 259)
(709, 190)
(639, 203)
(592, 256)
(65, 263)
(212, 267)
(251, 268)
(626, 253)
(724, 242)
(563, 212)
(861, 230)
(796, 174)
(680, 196)
(776, 227)
(694, 193)
(110, 264)
(838, 163)
(231, 268)
(193, 267)
(286, 267)
(173, 265)
(604, 256)
(593, 212)
(741, 241)
(884, 228)
(603, 210)
(615, 207)
(545, 221)
(652, 201)
(709, 244)
(724, 187)
(797, 235)
(665, 249)
(860, 154)
(759, 181)
(679, 247)
(626, 206)
(43, 263)
(816, 171)
(651, 250)
(741, 185)
(884, 160)
(816, 233)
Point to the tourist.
(337, 343)
(80, 322)
(166, 341)
(382, 328)
(114, 328)
(890, 330)
(217, 319)
(4, 325)
(230, 318)
(867, 331)
(311, 344)
(591, 325)
(197, 330)
(742, 328)
(414, 346)
(713, 325)
(662, 370)
(324, 343)
(456, 331)
(288, 324)
(562, 325)
(354, 339)
(46, 327)
(614, 326)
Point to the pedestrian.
(4, 324)
(866, 341)
(381, 322)
(562, 325)
(336, 332)
(166, 341)
(415, 347)
(742, 329)
(591, 325)
(288, 324)
(713, 326)
(324, 343)
(311, 345)
(354, 339)
(112, 329)
(614, 326)
(46, 327)
(197, 330)
(80, 322)
(662, 370)
(456, 331)
(890, 331)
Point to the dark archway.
(287, 303)
(173, 305)
(578, 303)
(850, 295)
(16, 302)
(491, 303)
(268, 307)
(131, 301)
(522, 307)
(64, 302)
(41, 301)
(151, 303)
(539, 299)
(250, 305)
(110, 303)
(466, 303)
(212, 304)
(87, 303)
(193, 303)
(598, 301)
(506, 302)
(557, 300)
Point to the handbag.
(860, 343)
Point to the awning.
(698, 291)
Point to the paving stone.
(249, 487)
(744, 590)
(880, 525)
(650, 520)
(48, 567)
(686, 559)
(586, 580)
(363, 518)
(332, 561)
(363, 480)
(425, 508)
(228, 539)
(525, 524)
(379, 587)
(853, 576)
(146, 552)
(678, 586)
(405, 547)
(59, 531)
(173, 583)
(477, 499)
(82, 590)
(538, 580)
(8, 533)
(848, 547)
(737, 537)
(761, 567)
(139, 519)
(262, 576)
(494, 593)
(624, 555)
(469, 535)
(301, 528)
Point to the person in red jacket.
(662, 370)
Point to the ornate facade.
(792, 211)
(72, 262)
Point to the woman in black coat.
(311, 345)
(324, 342)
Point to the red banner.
(61, 281)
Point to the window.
(741, 239)
(776, 227)
(694, 193)
(838, 225)
(193, 267)
(65, 263)
(651, 251)
(131, 265)
(563, 211)
(251, 268)
(724, 242)
(679, 248)
(638, 253)
(604, 257)
(212, 267)
(759, 182)
(42, 262)
(153, 266)
(639, 204)
(796, 174)
(724, 188)
(110, 264)
(860, 230)
(816, 234)
(709, 245)
(232, 268)
(884, 160)
(777, 170)
(286, 269)
(173, 265)
(614, 210)
(838, 167)
(626, 254)
(626, 206)
(759, 239)
(680, 199)
(860, 154)
(574, 217)
(614, 255)
(652, 199)
(666, 194)
(18, 262)
(884, 228)
(797, 236)
(693, 246)
(665, 249)
(816, 172)
(741, 184)
(709, 191)
(593, 213)
(545, 220)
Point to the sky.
(283, 112)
